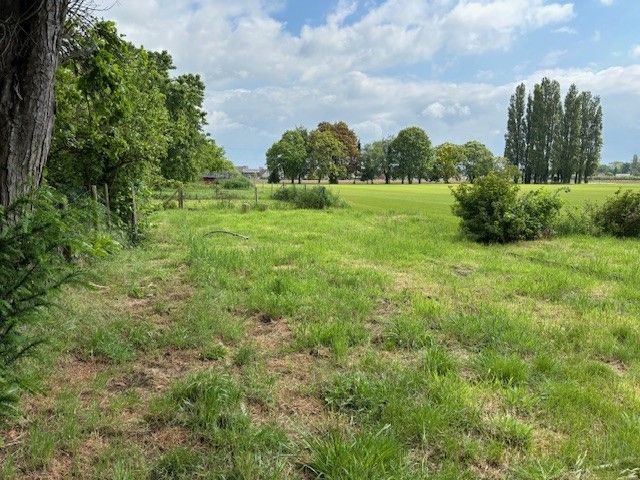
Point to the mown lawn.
(370, 342)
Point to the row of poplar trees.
(551, 141)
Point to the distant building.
(248, 172)
(215, 177)
(251, 173)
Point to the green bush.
(576, 221)
(313, 198)
(492, 210)
(620, 215)
(285, 194)
(236, 183)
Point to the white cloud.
(567, 30)
(635, 51)
(439, 110)
(240, 40)
(262, 79)
(552, 58)
(606, 3)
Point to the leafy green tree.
(411, 152)
(544, 114)
(478, 160)
(567, 144)
(448, 157)
(288, 155)
(503, 166)
(516, 137)
(350, 142)
(111, 117)
(388, 166)
(373, 158)
(591, 137)
(184, 99)
(210, 157)
(326, 156)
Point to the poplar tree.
(568, 140)
(591, 137)
(544, 115)
(516, 137)
(552, 141)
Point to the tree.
(388, 166)
(552, 140)
(516, 137)
(591, 137)
(348, 138)
(327, 153)
(448, 157)
(373, 160)
(635, 166)
(503, 166)
(184, 98)
(211, 157)
(478, 160)
(112, 119)
(567, 144)
(288, 155)
(30, 39)
(544, 113)
(411, 151)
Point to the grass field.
(370, 342)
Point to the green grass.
(365, 342)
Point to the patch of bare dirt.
(147, 376)
(297, 407)
(414, 282)
(464, 270)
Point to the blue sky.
(448, 66)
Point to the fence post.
(181, 196)
(256, 192)
(107, 204)
(134, 213)
(94, 194)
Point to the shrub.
(620, 214)
(38, 241)
(312, 198)
(236, 183)
(285, 194)
(576, 221)
(492, 210)
(535, 213)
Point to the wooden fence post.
(107, 204)
(256, 192)
(181, 196)
(94, 194)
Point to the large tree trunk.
(29, 46)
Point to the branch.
(227, 233)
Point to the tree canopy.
(412, 153)
(552, 140)
(289, 155)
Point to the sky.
(448, 66)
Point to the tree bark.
(30, 36)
